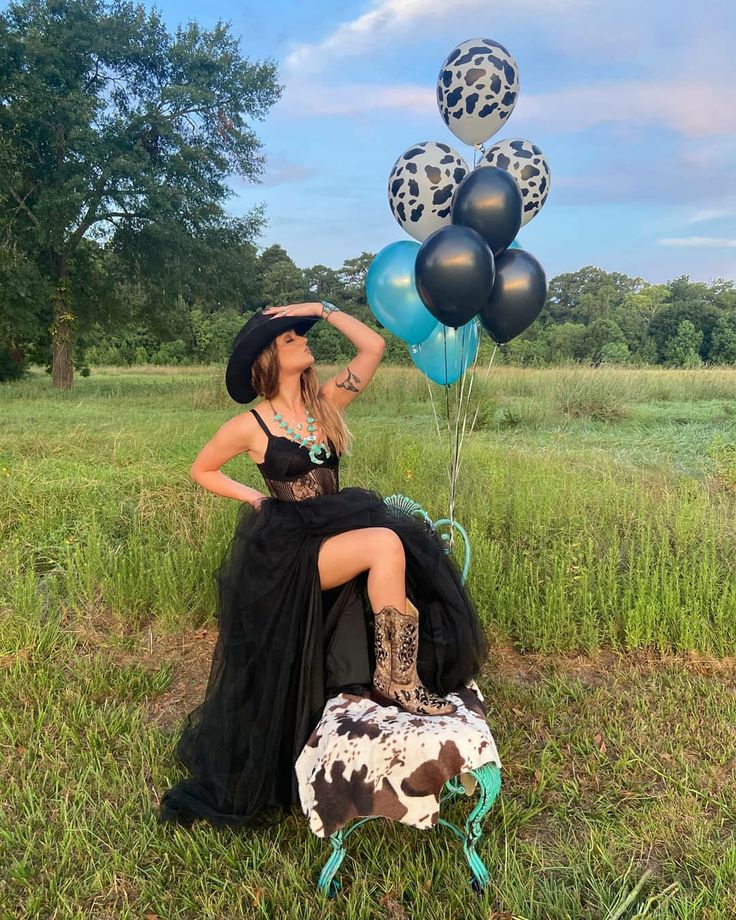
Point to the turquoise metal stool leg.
(489, 785)
(327, 881)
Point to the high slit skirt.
(285, 646)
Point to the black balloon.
(489, 201)
(454, 273)
(517, 297)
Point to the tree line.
(118, 139)
(591, 316)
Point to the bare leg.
(377, 550)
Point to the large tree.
(586, 294)
(22, 289)
(353, 273)
(108, 123)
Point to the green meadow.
(601, 509)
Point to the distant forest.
(591, 317)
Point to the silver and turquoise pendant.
(304, 441)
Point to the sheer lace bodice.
(289, 472)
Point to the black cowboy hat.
(260, 329)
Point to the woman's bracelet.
(328, 308)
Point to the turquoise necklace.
(304, 440)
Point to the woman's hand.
(296, 309)
(258, 502)
(342, 389)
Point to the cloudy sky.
(633, 103)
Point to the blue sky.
(633, 103)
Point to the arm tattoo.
(348, 383)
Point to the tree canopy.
(114, 130)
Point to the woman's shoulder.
(243, 425)
(260, 408)
(249, 420)
(248, 431)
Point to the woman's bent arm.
(231, 439)
(220, 484)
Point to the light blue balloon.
(447, 353)
(392, 294)
(514, 245)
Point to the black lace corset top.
(289, 471)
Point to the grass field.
(601, 508)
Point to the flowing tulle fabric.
(285, 646)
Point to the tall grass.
(573, 545)
(600, 508)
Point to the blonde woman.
(318, 586)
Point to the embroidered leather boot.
(395, 679)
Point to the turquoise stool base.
(489, 784)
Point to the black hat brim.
(248, 346)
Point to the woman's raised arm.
(342, 389)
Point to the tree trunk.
(61, 335)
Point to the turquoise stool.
(489, 785)
(488, 775)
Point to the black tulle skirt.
(285, 646)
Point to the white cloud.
(708, 214)
(308, 99)
(708, 155)
(692, 109)
(696, 241)
(280, 170)
(390, 20)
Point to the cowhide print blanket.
(364, 759)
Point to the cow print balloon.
(421, 185)
(526, 163)
(477, 89)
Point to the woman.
(310, 569)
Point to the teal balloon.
(392, 294)
(514, 245)
(447, 353)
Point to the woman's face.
(293, 351)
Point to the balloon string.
(459, 401)
(467, 402)
(447, 412)
(434, 410)
(472, 378)
(459, 391)
(455, 444)
(431, 399)
(435, 414)
(453, 468)
(467, 399)
(453, 452)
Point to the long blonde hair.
(264, 376)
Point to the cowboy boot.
(395, 679)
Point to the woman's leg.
(380, 551)
(377, 550)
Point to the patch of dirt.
(189, 654)
(597, 669)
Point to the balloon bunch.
(466, 267)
